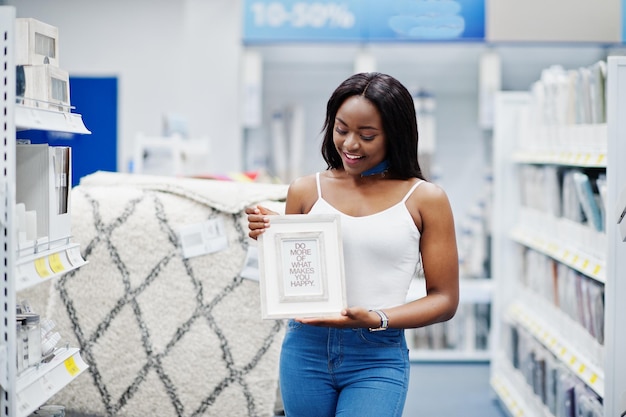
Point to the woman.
(357, 364)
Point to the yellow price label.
(585, 264)
(71, 366)
(597, 269)
(593, 378)
(581, 369)
(601, 158)
(41, 266)
(572, 360)
(56, 264)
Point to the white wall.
(169, 56)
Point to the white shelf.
(449, 355)
(585, 159)
(472, 291)
(563, 252)
(43, 119)
(513, 391)
(49, 264)
(600, 256)
(36, 385)
(564, 350)
(581, 145)
(27, 266)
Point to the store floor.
(451, 390)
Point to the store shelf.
(449, 355)
(509, 396)
(580, 145)
(37, 385)
(42, 266)
(513, 391)
(477, 291)
(42, 119)
(563, 252)
(553, 339)
(584, 159)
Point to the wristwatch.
(384, 321)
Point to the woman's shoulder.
(302, 194)
(304, 183)
(429, 192)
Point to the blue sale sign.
(363, 20)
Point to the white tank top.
(381, 252)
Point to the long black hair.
(397, 112)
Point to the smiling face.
(358, 135)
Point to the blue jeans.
(327, 372)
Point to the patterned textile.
(162, 335)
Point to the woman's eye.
(340, 131)
(368, 138)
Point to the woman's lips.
(352, 159)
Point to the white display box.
(43, 184)
(36, 43)
(47, 87)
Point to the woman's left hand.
(350, 318)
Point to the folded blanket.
(163, 335)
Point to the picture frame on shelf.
(301, 267)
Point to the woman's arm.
(440, 262)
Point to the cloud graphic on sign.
(428, 19)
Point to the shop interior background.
(186, 58)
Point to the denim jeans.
(327, 372)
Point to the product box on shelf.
(47, 87)
(36, 42)
(43, 184)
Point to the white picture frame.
(301, 267)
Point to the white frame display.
(301, 267)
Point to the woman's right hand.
(258, 220)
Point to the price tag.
(596, 270)
(22, 403)
(34, 116)
(41, 266)
(56, 264)
(203, 238)
(47, 385)
(73, 255)
(71, 366)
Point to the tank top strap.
(319, 187)
(417, 184)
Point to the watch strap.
(384, 321)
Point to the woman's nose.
(351, 141)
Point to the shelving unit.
(472, 291)
(21, 395)
(599, 257)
